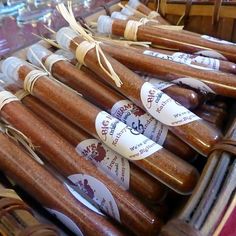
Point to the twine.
(145, 20)
(69, 17)
(29, 84)
(6, 97)
(31, 79)
(125, 43)
(153, 14)
(21, 138)
(49, 41)
(21, 94)
(169, 27)
(131, 30)
(82, 49)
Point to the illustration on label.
(98, 192)
(82, 199)
(194, 83)
(164, 108)
(135, 117)
(124, 139)
(66, 221)
(110, 162)
(216, 40)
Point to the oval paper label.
(123, 139)
(82, 199)
(110, 162)
(211, 53)
(194, 83)
(98, 192)
(197, 62)
(70, 224)
(164, 108)
(135, 117)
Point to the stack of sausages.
(110, 154)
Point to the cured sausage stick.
(112, 199)
(136, 31)
(51, 193)
(138, 182)
(151, 157)
(220, 83)
(111, 101)
(184, 124)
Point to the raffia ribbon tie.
(53, 58)
(131, 30)
(18, 136)
(21, 94)
(153, 14)
(145, 20)
(82, 49)
(31, 79)
(70, 18)
(6, 97)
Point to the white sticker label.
(164, 108)
(98, 192)
(135, 117)
(107, 160)
(197, 62)
(216, 40)
(194, 83)
(211, 53)
(123, 139)
(66, 221)
(159, 84)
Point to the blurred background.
(19, 20)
